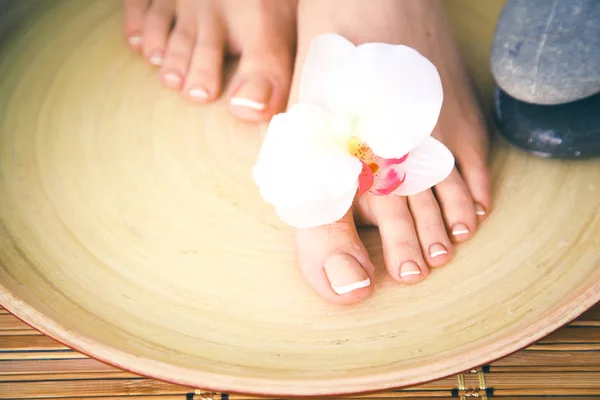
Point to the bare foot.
(418, 231)
(189, 39)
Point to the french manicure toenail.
(460, 229)
(156, 59)
(351, 287)
(254, 94)
(134, 40)
(345, 274)
(436, 250)
(242, 102)
(409, 268)
(198, 93)
(479, 210)
(172, 78)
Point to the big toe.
(335, 262)
(261, 85)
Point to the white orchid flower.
(362, 124)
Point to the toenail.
(479, 210)
(198, 93)
(409, 268)
(134, 40)
(156, 59)
(436, 250)
(241, 102)
(345, 274)
(460, 229)
(172, 79)
(254, 94)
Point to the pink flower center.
(378, 175)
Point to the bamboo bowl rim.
(224, 383)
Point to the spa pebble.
(548, 51)
(567, 131)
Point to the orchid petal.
(365, 179)
(300, 163)
(391, 92)
(324, 56)
(318, 213)
(388, 181)
(426, 166)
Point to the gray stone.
(568, 131)
(548, 51)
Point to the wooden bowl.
(131, 230)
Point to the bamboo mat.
(564, 365)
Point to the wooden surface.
(564, 364)
(131, 229)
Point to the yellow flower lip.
(354, 145)
(360, 150)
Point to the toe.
(401, 249)
(264, 33)
(471, 150)
(335, 262)
(204, 79)
(475, 173)
(435, 245)
(134, 11)
(251, 99)
(177, 58)
(261, 84)
(457, 205)
(180, 46)
(157, 25)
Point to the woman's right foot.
(418, 231)
(189, 39)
